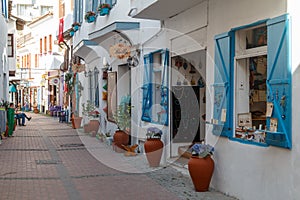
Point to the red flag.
(61, 30)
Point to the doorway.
(188, 100)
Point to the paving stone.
(50, 160)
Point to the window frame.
(10, 45)
(150, 85)
(279, 80)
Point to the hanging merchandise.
(178, 62)
(105, 86)
(192, 71)
(104, 95)
(178, 82)
(185, 65)
(185, 81)
(201, 82)
(193, 82)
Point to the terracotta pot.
(86, 128)
(153, 149)
(94, 125)
(76, 122)
(120, 138)
(201, 171)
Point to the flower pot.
(91, 19)
(153, 148)
(75, 28)
(104, 11)
(120, 138)
(86, 128)
(94, 126)
(201, 171)
(76, 122)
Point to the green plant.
(88, 14)
(89, 109)
(4, 104)
(123, 116)
(76, 24)
(70, 81)
(103, 5)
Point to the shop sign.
(120, 51)
(54, 81)
(78, 68)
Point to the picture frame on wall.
(245, 120)
(273, 124)
(111, 95)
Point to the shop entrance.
(188, 100)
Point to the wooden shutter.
(279, 80)
(45, 44)
(223, 100)
(164, 88)
(147, 88)
(50, 43)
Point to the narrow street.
(50, 160)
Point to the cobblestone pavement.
(50, 160)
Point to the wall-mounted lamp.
(106, 65)
(133, 61)
(87, 74)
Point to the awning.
(112, 29)
(12, 88)
(84, 48)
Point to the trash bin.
(10, 120)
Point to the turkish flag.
(61, 30)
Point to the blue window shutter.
(279, 80)
(223, 100)
(95, 5)
(164, 88)
(147, 88)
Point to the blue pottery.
(91, 19)
(75, 28)
(104, 11)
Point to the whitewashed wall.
(293, 6)
(247, 171)
(3, 60)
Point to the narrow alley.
(49, 160)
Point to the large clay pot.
(153, 148)
(120, 138)
(94, 126)
(76, 122)
(201, 170)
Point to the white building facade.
(251, 72)
(208, 71)
(4, 70)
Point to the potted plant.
(153, 146)
(89, 110)
(123, 120)
(201, 166)
(76, 120)
(75, 26)
(104, 9)
(90, 16)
